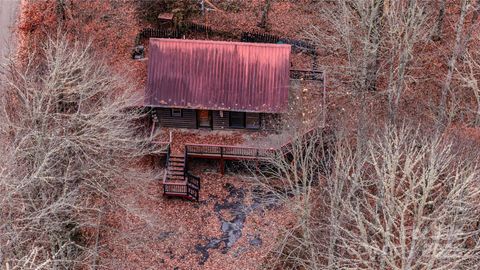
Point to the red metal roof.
(218, 75)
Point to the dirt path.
(8, 15)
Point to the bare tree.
(473, 25)
(68, 129)
(406, 23)
(452, 62)
(293, 177)
(469, 78)
(376, 41)
(409, 201)
(357, 27)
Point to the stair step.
(169, 172)
(175, 174)
(176, 164)
(174, 183)
(177, 157)
(176, 177)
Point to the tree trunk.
(264, 21)
(442, 116)
(437, 32)
(60, 11)
(374, 40)
(402, 46)
(473, 25)
(477, 117)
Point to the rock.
(256, 242)
(233, 237)
(214, 243)
(164, 235)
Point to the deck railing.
(168, 149)
(191, 184)
(224, 151)
(175, 188)
(189, 188)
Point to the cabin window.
(237, 119)
(252, 120)
(176, 112)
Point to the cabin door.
(204, 119)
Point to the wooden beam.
(222, 166)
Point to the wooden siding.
(187, 120)
(220, 122)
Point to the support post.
(222, 162)
(222, 166)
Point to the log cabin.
(217, 85)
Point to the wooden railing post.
(222, 162)
(185, 165)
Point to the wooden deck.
(227, 152)
(178, 181)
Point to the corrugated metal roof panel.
(218, 75)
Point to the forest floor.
(233, 226)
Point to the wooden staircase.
(177, 181)
(176, 169)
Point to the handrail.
(185, 163)
(256, 149)
(167, 159)
(229, 146)
(191, 184)
(167, 162)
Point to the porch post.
(222, 166)
(222, 162)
